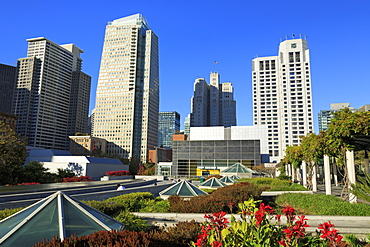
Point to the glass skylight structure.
(58, 215)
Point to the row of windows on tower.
(265, 65)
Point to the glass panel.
(103, 218)
(76, 222)
(43, 225)
(172, 191)
(10, 223)
(185, 191)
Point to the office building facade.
(127, 98)
(209, 150)
(8, 81)
(43, 99)
(168, 124)
(326, 115)
(212, 104)
(282, 97)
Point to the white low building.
(93, 167)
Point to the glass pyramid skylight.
(57, 214)
(212, 183)
(182, 189)
(238, 168)
(227, 180)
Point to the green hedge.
(7, 212)
(318, 204)
(223, 199)
(273, 184)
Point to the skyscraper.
(127, 98)
(8, 76)
(48, 111)
(213, 104)
(168, 124)
(282, 97)
(326, 115)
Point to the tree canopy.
(12, 155)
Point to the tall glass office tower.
(127, 98)
(169, 124)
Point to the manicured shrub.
(133, 202)
(77, 179)
(223, 199)
(132, 222)
(7, 212)
(179, 235)
(157, 206)
(101, 238)
(109, 208)
(273, 184)
(117, 173)
(284, 177)
(319, 204)
(209, 191)
(132, 196)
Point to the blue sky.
(195, 33)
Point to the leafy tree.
(34, 171)
(293, 155)
(61, 173)
(133, 165)
(12, 155)
(270, 170)
(344, 133)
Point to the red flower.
(328, 232)
(218, 220)
(288, 211)
(290, 214)
(282, 242)
(259, 215)
(202, 238)
(216, 244)
(297, 230)
(277, 217)
(266, 208)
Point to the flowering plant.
(117, 173)
(255, 228)
(77, 179)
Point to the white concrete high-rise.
(127, 98)
(282, 97)
(52, 94)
